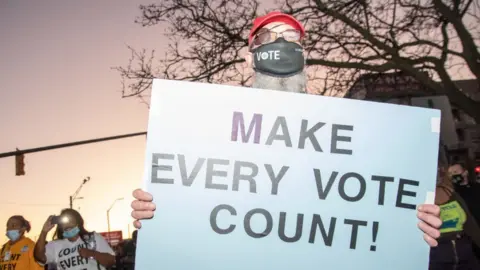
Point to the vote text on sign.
(257, 179)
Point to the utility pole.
(108, 217)
(108, 224)
(74, 196)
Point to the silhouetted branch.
(345, 39)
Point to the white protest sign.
(256, 179)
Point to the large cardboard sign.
(256, 179)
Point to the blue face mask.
(13, 235)
(71, 233)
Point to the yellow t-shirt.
(19, 256)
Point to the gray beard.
(296, 83)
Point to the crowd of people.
(72, 246)
(450, 226)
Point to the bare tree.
(430, 40)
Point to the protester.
(469, 191)
(459, 229)
(17, 253)
(283, 71)
(73, 247)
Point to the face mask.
(280, 58)
(457, 178)
(71, 233)
(13, 235)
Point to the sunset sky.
(57, 86)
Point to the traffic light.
(19, 165)
(477, 174)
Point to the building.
(460, 135)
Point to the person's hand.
(143, 207)
(48, 226)
(430, 222)
(86, 253)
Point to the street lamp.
(108, 216)
(74, 196)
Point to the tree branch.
(470, 49)
(346, 38)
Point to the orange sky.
(56, 87)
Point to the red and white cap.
(275, 16)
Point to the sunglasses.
(266, 36)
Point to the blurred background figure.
(119, 255)
(466, 187)
(469, 190)
(125, 253)
(17, 253)
(129, 251)
(458, 231)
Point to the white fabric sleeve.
(102, 244)
(50, 252)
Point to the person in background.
(74, 247)
(17, 253)
(459, 229)
(469, 191)
(129, 251)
